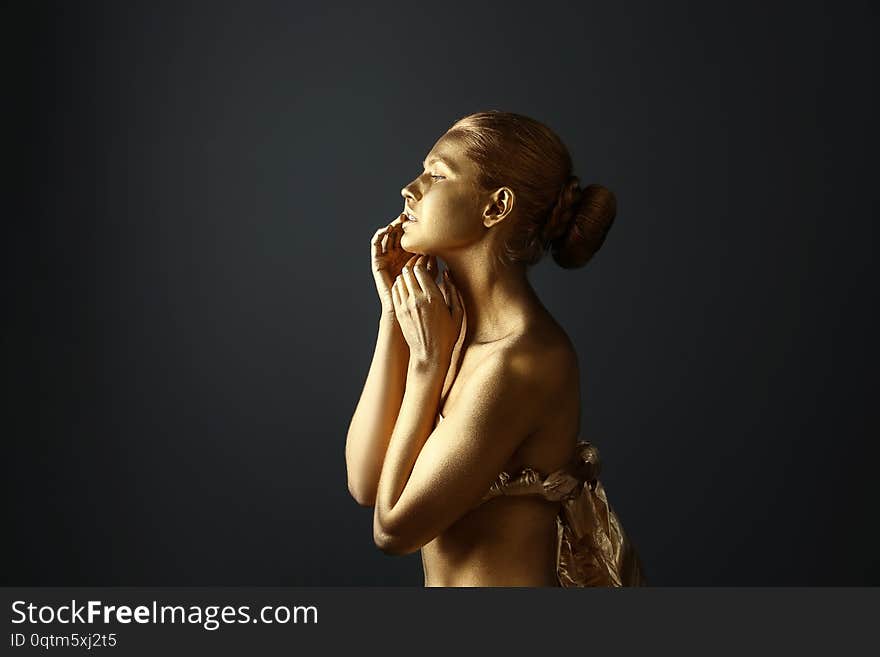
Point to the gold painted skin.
(481, 350)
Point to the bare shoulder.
(546, 351)
(549, 355)
(527, 372)
(538, 368)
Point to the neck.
(498, 300)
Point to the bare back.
(511, 541)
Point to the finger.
(402, 289)
(424, 278)
(457, 306)
(395, 296)
(428, 274)
(380, 239)
(409, 279)
(445, 292)
(396, 231)
(411, 262)
(462, 321)
(376, 240)
(432, 267)
(398, 235)
(460, 316)
(397, 290)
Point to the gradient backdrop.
(191, 313)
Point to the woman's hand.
(388, 258)
(430, 316)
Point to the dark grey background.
(191, 312)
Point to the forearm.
(415, 422)
(376, 413)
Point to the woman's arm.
(373, 421)
(376, 412)
(432, 476)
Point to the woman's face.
(445, 201)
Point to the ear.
(500, 205)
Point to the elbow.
(363, 495)
(392, 544)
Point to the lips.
(409, 215)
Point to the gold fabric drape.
(592, 547)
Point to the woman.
(474, 387)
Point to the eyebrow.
(437, 158)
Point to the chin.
(407, 244)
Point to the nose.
(409, 192)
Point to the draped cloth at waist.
(592, 547)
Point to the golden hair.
(512, 150)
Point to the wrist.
(388, 317)
(389, 330)
(429, 368)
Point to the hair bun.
(554, 212)
(587, 222)
(563, 210)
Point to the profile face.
(445, 200)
